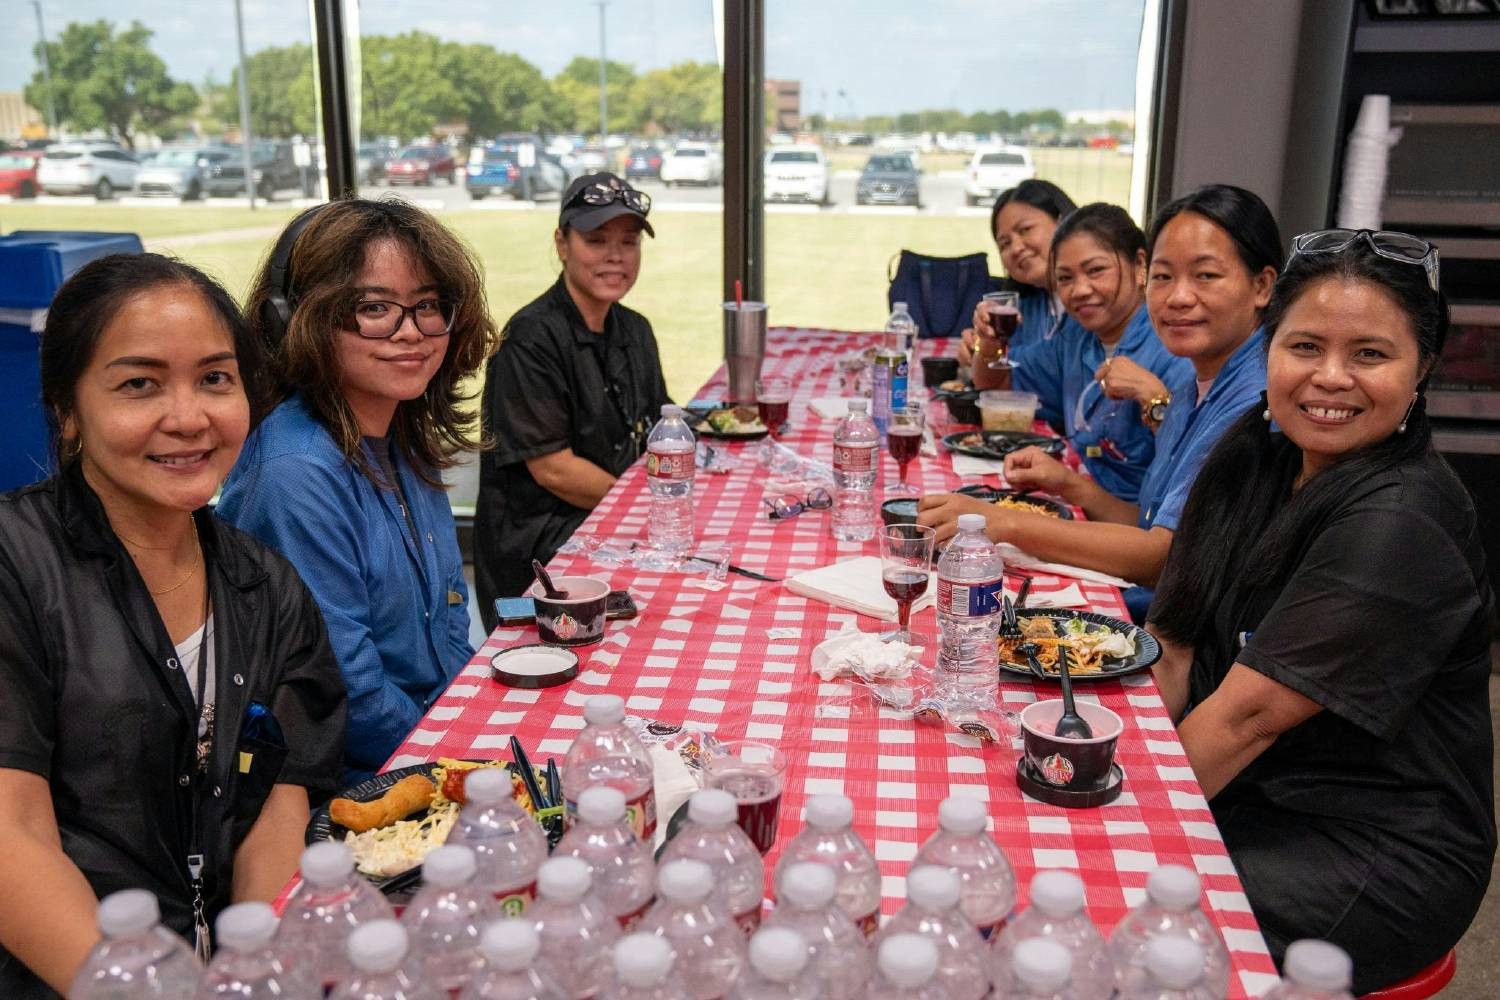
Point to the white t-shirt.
(188, 651)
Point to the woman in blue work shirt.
(374, 314)
(1213, 256)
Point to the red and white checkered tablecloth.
(705, 658)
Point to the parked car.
(18, 173)
(97, 168)
(274, 167)
(797, 173)
(889, 179)
(178, 173)
(516, 164)
(995, 169)
(643, 161)
(589, 160)
(371, 160)
(424, 165)
(692, 163)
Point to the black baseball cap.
(585, 217)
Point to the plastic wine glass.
(773, 399)
(1004, 310)
(905, 566)
(904, 439)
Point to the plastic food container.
(1002, 410)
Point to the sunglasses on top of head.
(603, 194)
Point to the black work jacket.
(93, 699)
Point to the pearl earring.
(1401, 427)
(1266, 414)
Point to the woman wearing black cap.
(572, 393)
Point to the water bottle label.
(854, 457)
(513, 902)
(898, 386)
(971, 600)
(869, 924)
(674, 466)
(628, 921)
(640, 814)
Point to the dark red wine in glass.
(904, 442)
(757, 793)
(1005, 322)
(773, 412)
(904, 585)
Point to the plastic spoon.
(1071, 726)
(553, 594)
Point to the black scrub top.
(1372, 823)
(555, 384)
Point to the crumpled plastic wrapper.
(677, 760)
(709, 559)
(715, 461)
(787, 471)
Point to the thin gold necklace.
(192, 571)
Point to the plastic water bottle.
(779, 968)
(377, 952)
(608, 753)
(138, 957)
(248, 966)
(711, 835)
(968, 613)
(932, 912)
(709, 945)
(508, 844)
(1171, 909)
(805, 904)
(901, 322)
(644, 970)
(445, 918)
(889, 379)
(510, 949)
(1314, 970)
(906, 969)
(830, 839)
(671, 459)
(1043, 971)
(988, 893)
(621, 863)
(856, 447)
(1057, 914)
(332, 901)
(1175, 969)
(576, 929)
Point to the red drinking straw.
(739, 294)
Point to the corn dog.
(399, 801)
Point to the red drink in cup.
(904, 585)
(904, 441)
(754, 774)
(1004, 311)
(773, 398)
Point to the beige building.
(19, 120)
(784, 99)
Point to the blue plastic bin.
(33, 266)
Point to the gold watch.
(1156, 409)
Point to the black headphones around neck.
(276, 310)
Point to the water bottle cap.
(127, 913)
(670, 410)
(858, 405)
(326, 864)
(712, 807)
(566, 880)
(604, 710)
(686, 881)
(971, 522)
(1057, 894)
(246, 926)
(965, 816)
(829, 812)
(1174, 887)
(1042, 964)
(642, 960)
(1175, 962)
(898, 307)
(510, 945)
(601, 805)
(487, 785)
(807, 884)
(449, 866)
(779, 953)
(908, 960)
(378, 946)
(1319, 965)
(932, 887)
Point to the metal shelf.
(1428, 36)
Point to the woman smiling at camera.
(168, 698)
(374, 314)
(1327, 619)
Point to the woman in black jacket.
(168, 699)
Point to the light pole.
(41, 31)
(603, 83)
(245, 137)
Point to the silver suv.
(97, 168)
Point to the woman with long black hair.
(1326, 620)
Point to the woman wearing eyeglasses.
(571, 396)
(1326, 618)
(374, 314)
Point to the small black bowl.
(936, 371)
(963, 407)
(901, 510)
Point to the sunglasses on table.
(604, 194)
(790, 505)
(1401, 247)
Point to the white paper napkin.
(1022, 560)
(855, 586)
(830, 407)
(1069, 596)
(968, 465)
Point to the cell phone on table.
(522, 610)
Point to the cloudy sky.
(885, 56)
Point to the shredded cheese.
(390, 850)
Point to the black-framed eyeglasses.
(1403, 247)
(790, 505)
(378, 319)
(604, 194)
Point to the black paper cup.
(1067, 763)
(576, 621)
(963, 407)
(901, 510)
(936, 371)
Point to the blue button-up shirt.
(396, 607)
(1116, 446)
